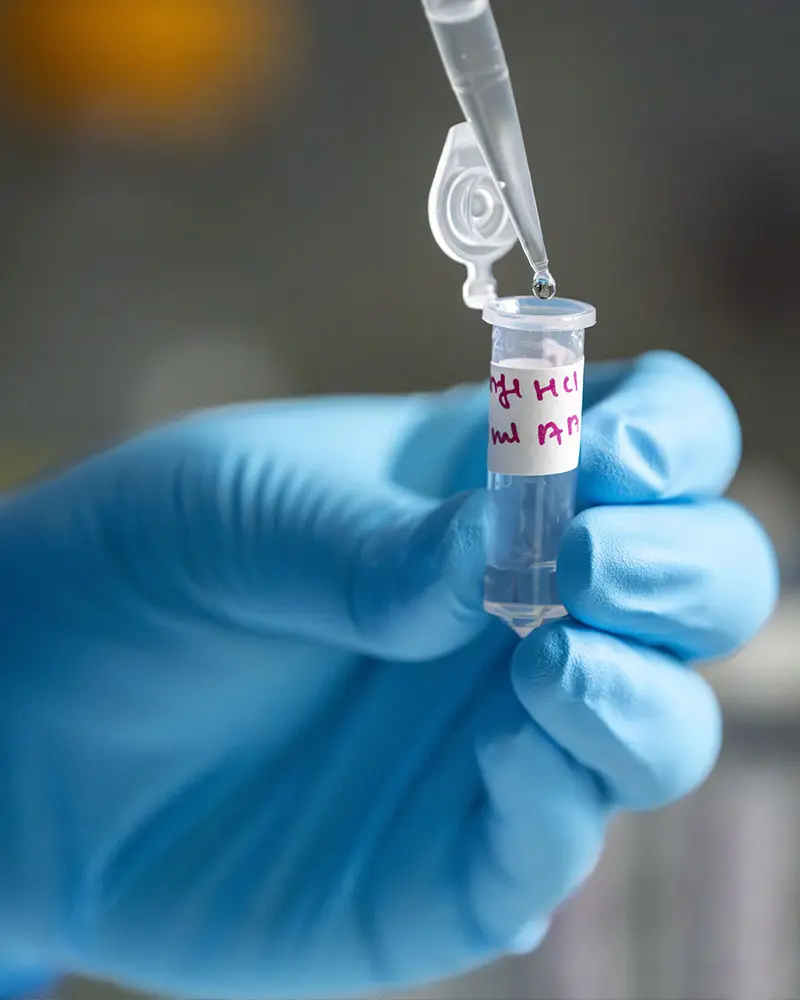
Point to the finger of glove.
(415, 590)
(372, 570)
(444, 449)
(539, 834)
(699, 579)
(636, 717)
(665, 430)
(217, 517)
(351, 553)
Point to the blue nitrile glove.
(260, 740)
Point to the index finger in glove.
(665, 430)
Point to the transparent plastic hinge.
(468, 218)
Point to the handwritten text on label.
(535, 418)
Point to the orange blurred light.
(142, 60)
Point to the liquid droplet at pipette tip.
(544, 285)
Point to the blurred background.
(206, 201)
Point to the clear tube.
(537, 391)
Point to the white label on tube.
(535, 415)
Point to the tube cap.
(467, 216)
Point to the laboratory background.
(205, 201)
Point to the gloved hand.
(259, 738)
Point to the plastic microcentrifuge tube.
(536, 391)
(535, 414)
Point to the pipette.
(472, 53)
